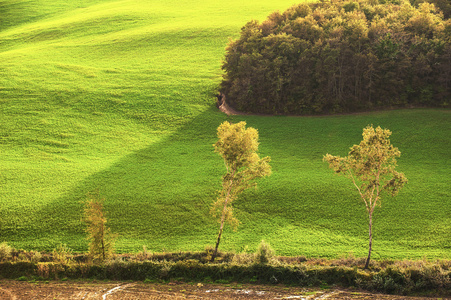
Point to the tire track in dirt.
(113, 290)
(89, 290)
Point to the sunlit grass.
(119, 96)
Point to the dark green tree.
(340, 56)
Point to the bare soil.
(225, 108)
(16, 290)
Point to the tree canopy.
(341, 56)
(443, 5)
(371, 167)
(101, 240)
(238, 147)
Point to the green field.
(119, 96)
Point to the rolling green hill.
(119, 96)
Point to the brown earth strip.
(10, 289)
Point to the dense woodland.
(341, 56)
(443, 5)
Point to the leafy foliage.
(340, 56)
(101, 240)
(264, 253)
(443, 5)
(5, 251)
(238, 147)
(401, 277)
(119, 95)
(62, 254)
(371, 167)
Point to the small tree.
(264, 253)
(101, 240)
(371, 167)
(238, 147)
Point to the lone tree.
(238, 146)
(101, 240)
(371, 167)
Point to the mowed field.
(119, 96)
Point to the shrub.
(243, 258)
(209, 250)
(144, 255)
(50, 269)
(5, 251)
(264, 253)
(62, 254)
(35, 256)
(31, 256)
(13, 270)
(400, 277)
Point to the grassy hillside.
(119, 96)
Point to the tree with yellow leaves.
(101, 240)
(371, 167)
(238, 147)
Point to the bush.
(62, 254)
(243, 259)
(13, 270)
(5, 251)
(31, 256)
(144, 255)
(340, 56)
(264, 253)
(53, 270)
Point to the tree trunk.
(103, 242)
(217, 242)
(103, 250)
(223, 218)
(371, 241)
(220, 228)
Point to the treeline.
(341, 56)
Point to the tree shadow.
(152, 195)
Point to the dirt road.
(16, 290)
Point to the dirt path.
(225, 108)
(137, 290)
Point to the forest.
(341, 56)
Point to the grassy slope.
(118, 95)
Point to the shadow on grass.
(154, 194)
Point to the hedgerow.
(340, 56)
(396, 277)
